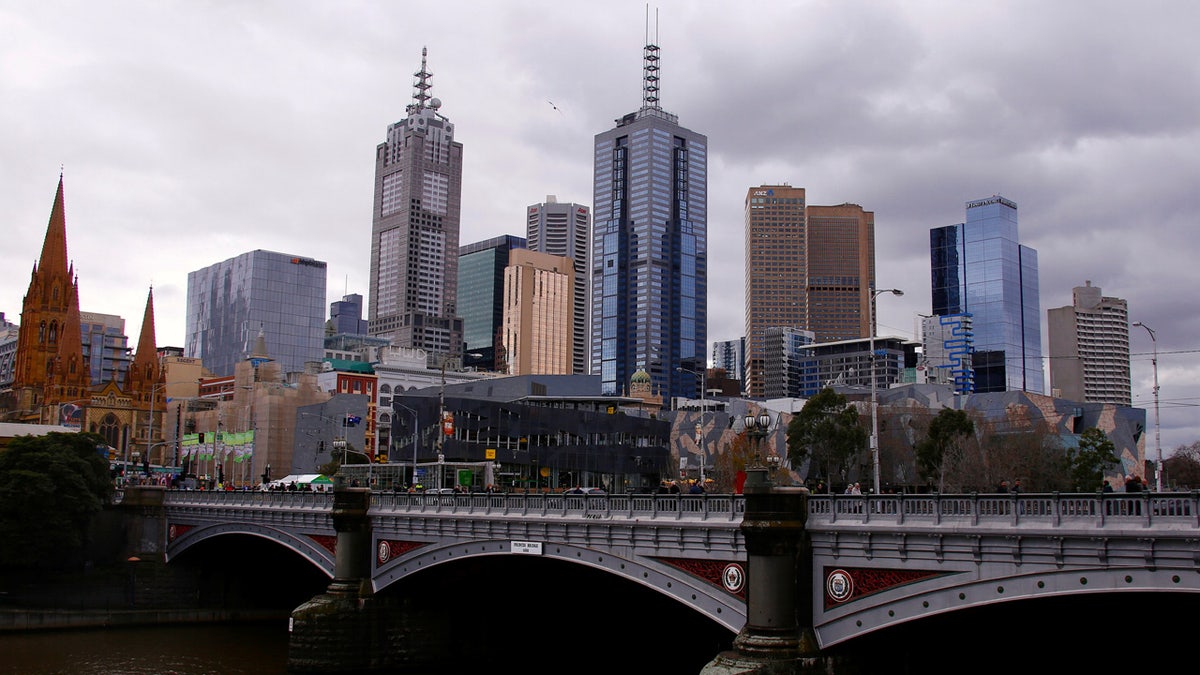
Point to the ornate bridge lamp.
(757, 428)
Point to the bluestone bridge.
(857, 564)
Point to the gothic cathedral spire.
(50, 368)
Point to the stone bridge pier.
(348, 629)
(777, 637)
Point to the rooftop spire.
(421, 85)
(650, 65)
(54, 248)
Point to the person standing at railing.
(1016, 488)
(1107, 486)
(1003, 488)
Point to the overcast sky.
(193, 132)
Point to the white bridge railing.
(704, 507)
(1146, 509)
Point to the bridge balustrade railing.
(1054, 509)
(706, 507)
(251, 499)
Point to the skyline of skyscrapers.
(1089, 348)
(650, 249)
(415, 229)
(980, 268)
(230, 302)
(565, 229)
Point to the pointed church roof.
(54, 249)
(146, 340)
(259, 355)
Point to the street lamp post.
(445, 423)
(1158, 464)
(875, 385)
(413, 483)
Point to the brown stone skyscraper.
(807, 267)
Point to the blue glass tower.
(979, 268)
(650, 249)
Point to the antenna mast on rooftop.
(650, 65)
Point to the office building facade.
(415, 229)
(808, 268)
(947, 346)
(229, 303)
(1089, 348)
(979, 267)
(481, 268)
(565, 229)
(650, 249)
(729, 355)
(105, 346)
(789, 370)
(345, 315)
(539, 302)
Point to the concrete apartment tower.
(415, 229)
(539, 306)
(565, 230)
(650, 249)
(1089, 348)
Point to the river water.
(198, 649)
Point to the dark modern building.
(649, 280)
(481, 299)
(415, 229)
(345, 315)
(278, 295)
(537, 432)
(980, 268)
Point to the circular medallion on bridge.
(839, 585)
(733, 577)
(171, 533)
(385, 551)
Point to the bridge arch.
(713, 602)
(308, 548)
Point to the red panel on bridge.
(845, 584)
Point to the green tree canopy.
(50, 487)
(944, 446)
(826, 430)
(1096, 452)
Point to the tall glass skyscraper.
(481, 298)
(980, 268)
(650, 249)
(415, 229)
(230, 302)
